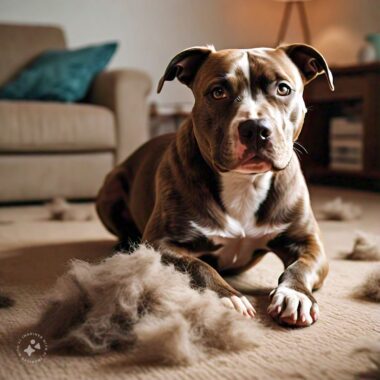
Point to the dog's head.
(248, 107)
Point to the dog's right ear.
(185, 65)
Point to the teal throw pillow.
(59, 75)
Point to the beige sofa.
(50, 149)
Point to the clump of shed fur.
(370, 289)
(339, 210)
(366, 248)
(138, 304)
(61, 210)
(372, 350)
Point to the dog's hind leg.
(112, 208)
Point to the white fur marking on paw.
(293, 307)
(251, 310)
(315, 312)
(240, 304)
(227, 302)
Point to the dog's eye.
(219, 93)
(283, 89)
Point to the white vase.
(367, 53)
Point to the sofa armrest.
(124, 92)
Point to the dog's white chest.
(240, 236)
(242, 195)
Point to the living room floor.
(34, 251)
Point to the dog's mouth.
(253, 162)
(250, 163)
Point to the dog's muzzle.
(255, 134)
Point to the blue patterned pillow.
(59, 75)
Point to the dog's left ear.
(309, 61)
(185, 65)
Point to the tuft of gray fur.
(148, 309)
(371, 287)
(5, 301)
(372, 350)
(339, 210)
(366, 248)
(61, 210)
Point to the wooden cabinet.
(357, 88)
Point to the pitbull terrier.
(227, 188)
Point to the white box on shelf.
(346, 166)
(341, 127)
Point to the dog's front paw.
(293, 308)
(241, 305)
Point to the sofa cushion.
(45, 176)
(59, 75)
(20, 44)
(55, 127)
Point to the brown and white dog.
(227, 188)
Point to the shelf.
(355, 179)
(322, 171)
(364, 68)
(357, 93)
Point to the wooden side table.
(358, 88)
(167, 119)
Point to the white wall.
(152, 31)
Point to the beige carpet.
(35, 251)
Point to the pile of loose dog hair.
(5, 301)
(135, 303)
(339, 210)
(372, 350)
(61, 210)
(366, 248)
(370, 289)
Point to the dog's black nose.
(254, 133)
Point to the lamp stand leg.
(304, 23)
(284, 23)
